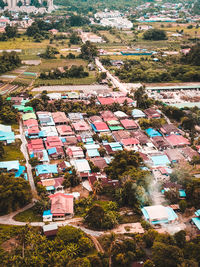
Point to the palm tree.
(112, 240)
(97, 187)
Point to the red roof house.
(130, 141)
(129, 124)
(100, 127)
(59, 118)
(152, 113)
(35, 145)
(30, 123)
(61, 205)
(53, 141)
(177, 140)
(108, 115)
(81, 126)
(64, 130)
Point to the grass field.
(12, 151)
(28, 216)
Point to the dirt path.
(97, 244)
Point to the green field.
(13, 152)
(28, 216)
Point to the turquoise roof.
(138, 113)
(20, 171)
(182, 193)
(152, 133)
(197, 213)
(50, 188)
(46, 169)
(47, 213)
(196, 221)
(9, 137)
(93, 153)
(160, 160)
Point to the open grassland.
(13, 152)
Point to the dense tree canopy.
(155, 34)
(14, 193)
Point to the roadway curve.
(114, 80)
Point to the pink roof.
(101, 126)
(33, 130)
(81, 126)
(64, 130)
(30, 123)
(35, 145)
(106, 100)
(177, 140)
(129, 141)
(59, 117)
(62, 204)
(107, 115)
(53, 141)
(129, 124)
(121, 100)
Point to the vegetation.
(14, 193)
(155, 35)
(88, 51)
(9, 61)
(29, 215)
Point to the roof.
(59, 117)
(33, 130)
(129, 124)
(53, 141)
(120, 114)
(107, 115)
(81, 165)
(9, 137)
(196, 221)
(62, 204)
(45, 118)
(151, 132)
(160, 160)
(5, 128)
(100, 127)
(9, 165)
(48, 131)
(197, 86)
(95, 119)
(99, 162)
(31, 123)
(137, 113)
(151, 112)
(174, 155)
(64, 130)
(75, 116)
(81, 126)
(119, 135)
(177, 140)
(28, 116)
(157, 212)
(189, 152)
(35, 145)
(143, 139)
(116, 128)
(113, 122)
(50, 227)
(46, 169)
(129, 141)
(169, 129)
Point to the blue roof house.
(46, 169)
(152, 133)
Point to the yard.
(13, 152)
(29, 215)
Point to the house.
(137, 114)
(9, 166)
(160, 143)
(48, 131)
(30, 123)
(105, 181)
(108, 115)
(141, 137)
(189, 153)
(41, 155)
(81, 126)
(6, 134)
(75, 116)
(120, 115)
(93, 119)
(53, 31)
(64, 130)
(106, 100)
(92, 150)
(175, 155)
(59, 118)
(160, 160)
(159, 214)
(152, 133)
(168, 129)
(129, 142)
(100, 127)
(144, 27)
(28, 116)
(47, 217)
(50, 229)
(119, 135)
(177, 140)
(129, 124)
(33, 132)
(69, 141)
(61, 206)
(75, 152)
(99, 162)
(54, 96)
(152, 113)
(82, 167)
(46, 170)
(54, 147)
(111, 148)
(35, 145)
(53, 185)
(45, 118)
(63, 166)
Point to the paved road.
(26, 156)
(114, 80)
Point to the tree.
(77, 20)
(2, 4)
(88, 51)
(112, 240)
(141, 98)
(74, 38)
(148, 263)
(11, 32)
(155, 34)
(34, 161)
(1, 150)
(19, 4)
(50, 53)
(97, 188)
(94, 217)
(165, 255)
(182, 205)
(193, 57)
(14, 193)
(180, 238)
(69, 234)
